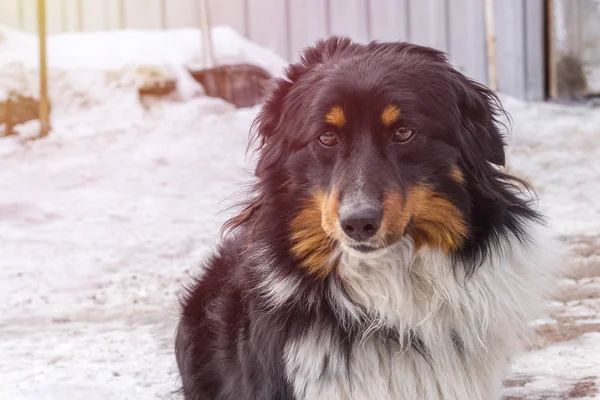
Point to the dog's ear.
(479, 139)
(268, 119)
(323, 51)
(278, 106)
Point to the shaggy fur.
(383, 253)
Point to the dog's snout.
(361, 223)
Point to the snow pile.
(90, 67)
(114, 50)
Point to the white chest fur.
(469, 329)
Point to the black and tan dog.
(384, 253)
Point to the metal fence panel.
(287, 26)
(389, 19)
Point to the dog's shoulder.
(222, 336)
(217, 276)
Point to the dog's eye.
(328, 139)
(402, 135)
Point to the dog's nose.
(361, 223)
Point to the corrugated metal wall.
(575, 53)
(286, 26)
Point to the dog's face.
(374, 145)
(378, 168)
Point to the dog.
(383, 251)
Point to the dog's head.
(363, 145)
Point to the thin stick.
(551, 49)
(211, 47)
(44, 102)
(491, 44)
(207, 45)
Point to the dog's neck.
(426, 290)
(398, 288)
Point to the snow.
(77, 60)
(114, 50)
(554, 145)
(103, 221)
(559, 366)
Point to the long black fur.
(229, 342)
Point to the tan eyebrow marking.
(390, 115)
(336, 117)
(457, 174)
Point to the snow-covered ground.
(102, 222)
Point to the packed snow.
(82, 66)
(103, 221)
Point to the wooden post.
(551, 57)
(44, 102)
(491, 44)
